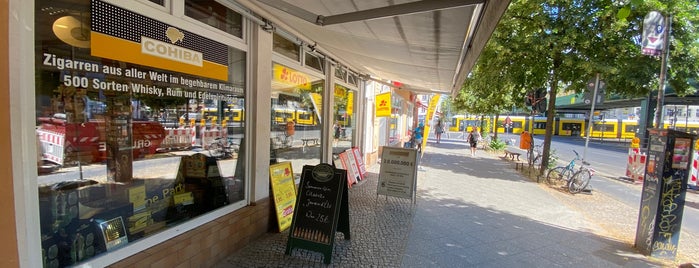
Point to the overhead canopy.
(428, 46)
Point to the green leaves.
(623, 13)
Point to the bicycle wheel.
(557, 176)
(216, 150)
(537, 161)
(579, 181)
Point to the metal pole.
(592, 111)
(663, 72)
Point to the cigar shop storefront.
(142, 131)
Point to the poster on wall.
(383, 105)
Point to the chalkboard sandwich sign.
(321, 210)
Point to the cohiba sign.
(134, 38)
(164, 50)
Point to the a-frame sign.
(322, 209)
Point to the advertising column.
(663, 194)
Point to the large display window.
(344, 116)
(296, 121)
(140, 127)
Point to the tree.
(541, 43)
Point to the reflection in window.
(352, 79)
(295, 118)
(159, 2)
(126, 153)
(286, 47)
(314, 62)
(216, 15)
(341, 73)
(343, 114)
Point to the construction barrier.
(693, 175)
(178, 138)
(52, 144)
(209, 136)
(635, 168)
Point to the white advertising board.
(398, 172)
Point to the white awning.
(428, 46)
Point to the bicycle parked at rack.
(574, 180)
(581, 178)
(535, 155)
(221, 149)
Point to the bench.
(312, 141)
(513, 153)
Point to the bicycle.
(221, 149)
(536, 155)
(560, 174)
(581, 178)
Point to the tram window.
(631, 129)
(603, 127)
(304, 116)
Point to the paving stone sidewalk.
(471, 212)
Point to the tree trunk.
(550, 114)
(495, 127)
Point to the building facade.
(142, 131)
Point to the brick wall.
(209, 244)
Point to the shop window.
(216, 15)
(286, 47)
(158, 2)
(341, 73)
(295, 117)
(344, 119)
(130, 148)
(352, 79)
(314, 62)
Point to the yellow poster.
(317, 101)
(350, 102)
(383, 105)
(283, 193)
(291, 77)
(428, 118)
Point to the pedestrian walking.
(290, 131)
(473, 138)
(417, 134)
(438, 130)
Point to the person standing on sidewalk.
(417, 134)
(473, 138)
(438, 130)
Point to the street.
(609, 159)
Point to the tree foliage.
(564, 43)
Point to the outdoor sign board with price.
(322, 209)
(663, 192)
(398, 172)
(284, 193)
